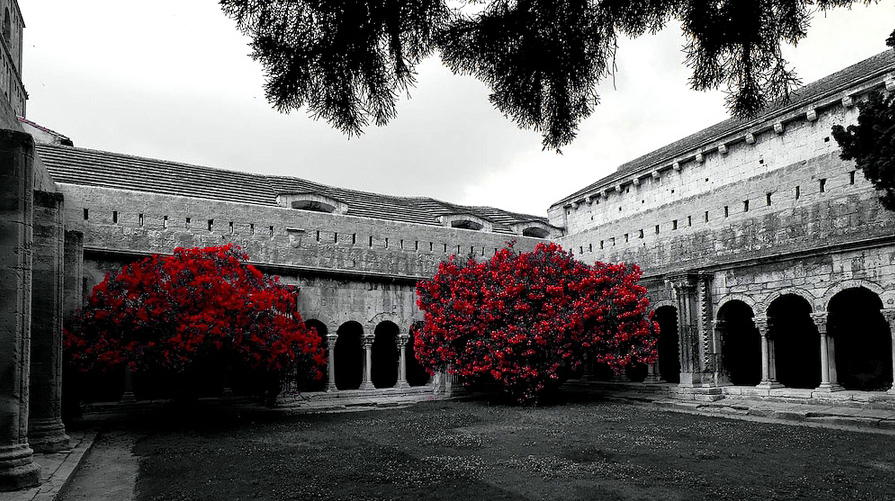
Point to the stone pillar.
(17, 468)
(128, 396)
(367, 383)
(768, 369)
(46, 433)
(720, 374)
(402, 361)
(685, 294)
(652, 373)
(331, 362)
(828, 380)
(889, 314)
(73, 288)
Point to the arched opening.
(862, 340)
(384, 371)
(669, 356)
(416, 373)
(349, 354)
(7, 27)
(536, 232)
(304, 382)
(466, 224)
(796, 342)
(740, 343)
(313, 205)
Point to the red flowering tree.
(196, 306)
(525, 319)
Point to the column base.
(332, 387)
(652, 378)
(48, 435)
(402, 385)
(17, 468)
(891, 390)
(769, 384)
(128, 398)
(829, 387)
(367, 385)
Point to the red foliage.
(171, 311)
(525, 318)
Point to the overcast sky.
(172, 80)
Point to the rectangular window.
(402, 244)
(165, 222)
(472, 250)
(823, 185)
(371, 241)
(580, 249)
(252, 228)
(674, 224)
(483, 250)
(613, 241)
(210, 224)
(768, 199)
(271, 232)
(335, 237)
(626, 238)
(86, 214)
(601, 244)
(188, 223)
(706, 216)
(689, 220)
(458, 250)
(140, 219)
(657, 229)
(318, 235)
(416, 247)
(590, 247)
(640, 235)
(726, 211)
(445, 248)
(115, 216)
(431, 246)
(386, 242)
(798, 192)
(353, 238)
(851, 180)
(745, 206)
(230, 227)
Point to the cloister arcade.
(839, 341)
(376, 357)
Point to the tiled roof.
(818, 90)
(113, 170)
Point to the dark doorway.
(669, 356)
(349, 355)
(863, 343)
(305, 379)
(416, 373)
(384, 372)
(796, 342)
(740, 343)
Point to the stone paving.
(59, 468)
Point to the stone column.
(367, 383)
(128, 396)
(889, 314)
(768, 369)
(17, 468)
(46, 433)
(402, 361)
(828, 381)
(652, 373)
(686, 299)
(331, 362)
(720, 374)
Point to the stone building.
(769, 261)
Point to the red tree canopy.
(523, 318)
(170, 311)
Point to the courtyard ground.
(481, 449)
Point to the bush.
(526, 319)
(197, 308)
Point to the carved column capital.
(761, 323)
(889, 315)
(820, 320)
(368, 340)
(331, 340)
(401, 340)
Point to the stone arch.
(796, 342)
(849, 284)
(862, 339)
(305, 383)
(740, 341)
(669, 352)
(789, 291)
(743, 298)
(417, 375)
(349, 356)
(384, 370)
